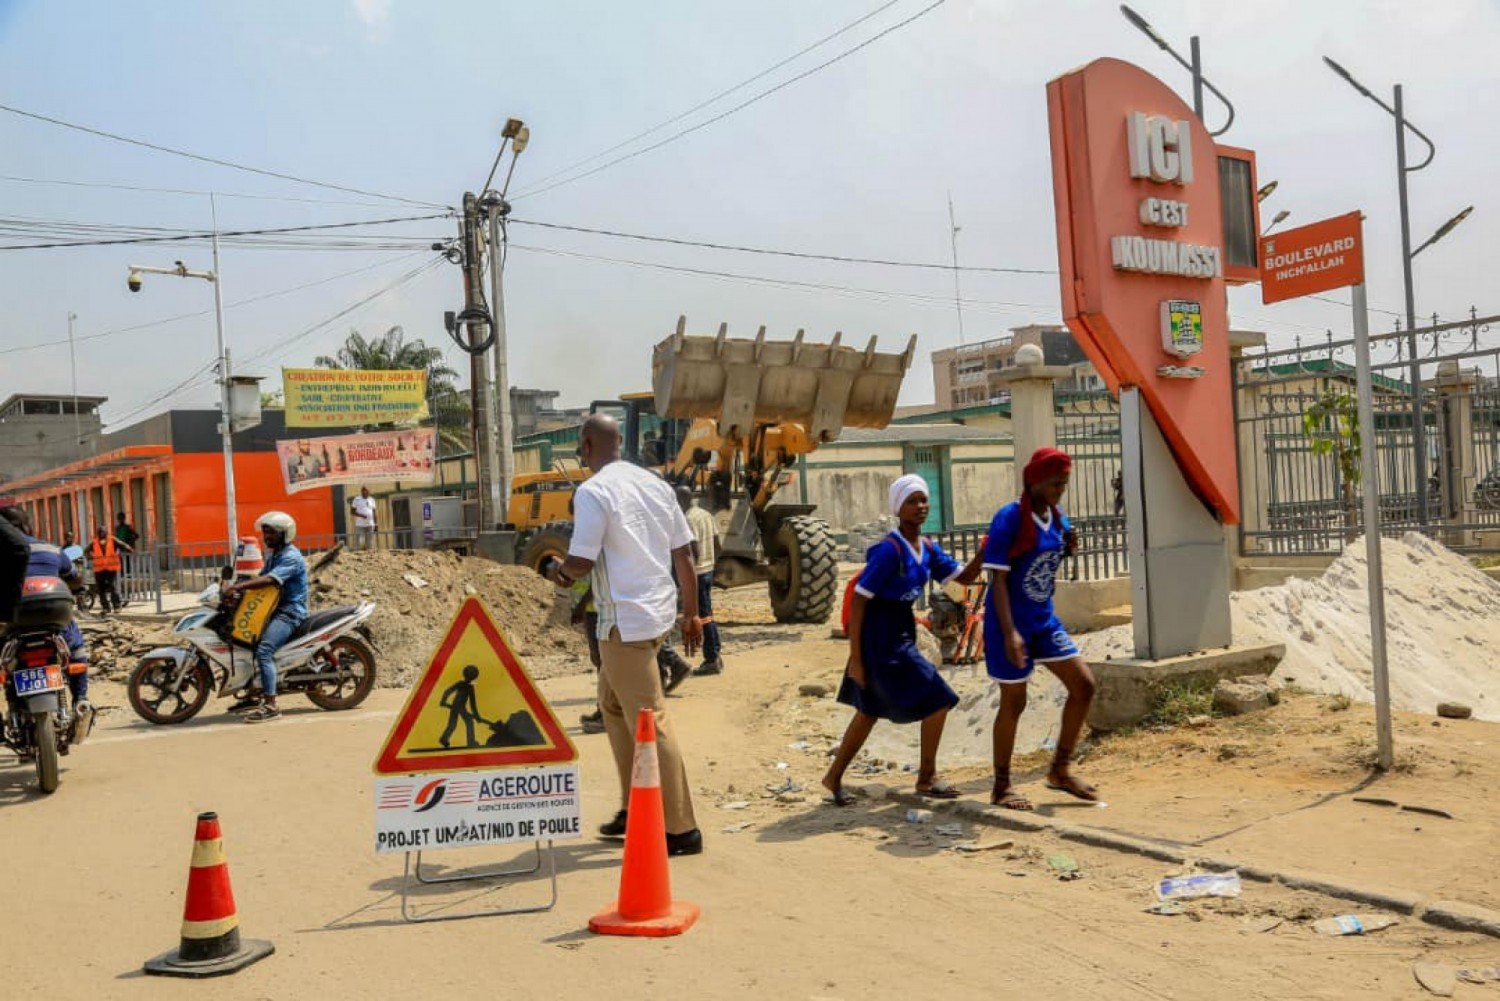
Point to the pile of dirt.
(115, 645)
(417, 593)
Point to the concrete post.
(1250, 442)
(1457, 469)
(1032, 416)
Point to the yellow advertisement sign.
(350, 397)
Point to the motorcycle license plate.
(31, 680)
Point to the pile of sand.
(1442, 627)
(417, 594)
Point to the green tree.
(392, 350)
(1332, 425)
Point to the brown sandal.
(1006, 797)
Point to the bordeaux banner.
(344, 397)
(357, 458)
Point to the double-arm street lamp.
(1396, 111)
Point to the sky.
(406, 99)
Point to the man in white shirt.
(364, 519)
(631, 536)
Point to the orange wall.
(198, 497)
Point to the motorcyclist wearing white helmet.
(286, 569)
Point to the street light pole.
(1194, 65)
(73, 370)
(227, 427)
(496, 209)
(1418, 415)
(1397, 111)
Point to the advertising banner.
(357, 458)
(346, 397)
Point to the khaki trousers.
(629, 682)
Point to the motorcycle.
(329, 659)
(40, 720)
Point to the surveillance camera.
(133, 281)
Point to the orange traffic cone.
(211, 945)
(645, 906)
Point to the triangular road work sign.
(473, 707)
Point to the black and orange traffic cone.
(211, 945)
(645, 906)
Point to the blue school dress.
(900, 684)
(1031, 580)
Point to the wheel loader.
(729, 417)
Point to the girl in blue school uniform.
(1027, 542)
(887, 678)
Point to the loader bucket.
(743, 383)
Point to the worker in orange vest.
(104, 557)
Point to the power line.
(738, 107)
(226, 234)
(182, 386)
(720, 95)
(205, 312)
(1350, 305)
(842, 259)
(194, 380)
(409, 276)
(943, 301)
(184, 191)
(213, 160)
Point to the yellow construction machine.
(729, 417)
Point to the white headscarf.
(903, 488)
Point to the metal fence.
(1296, 499)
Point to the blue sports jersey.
(1031, 579)
(894, 571)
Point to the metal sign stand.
(1380, 679)
(413, 867)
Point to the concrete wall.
(849, 482)
(35, 443)
(980, 488)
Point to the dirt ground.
(800, 899)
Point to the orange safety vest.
(107, 559)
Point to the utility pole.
(480, 335)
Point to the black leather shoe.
(615, 828)
(686, 843)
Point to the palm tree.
(393, 350)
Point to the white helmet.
(280, 521)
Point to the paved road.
(809, 902)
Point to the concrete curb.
(1451, 914)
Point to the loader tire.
(806, 544)
(552, 539)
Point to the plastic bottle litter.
(1353, 924)
(915, 816)
(1203, 884)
